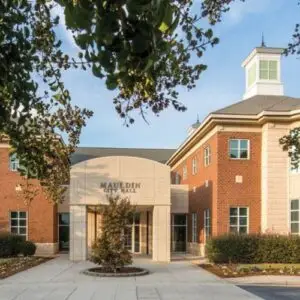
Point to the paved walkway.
(60, 279)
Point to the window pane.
(243, 211)
(179, 220)
(243, 229)
(244, 144)
(234, 153)
(64, 219)
(263, 74)
(233, 229)
(295, 204)
(22, 230)
(273, 75)
(22, 222)
(294, 216)
(22, 214)
(233, 211)
(14, 223)
(263, 64)
(295, 227)
(244, 154)
(243, 221)
(13, 214)
(14, 230)
(273, 65)
(233, 144)
(233, 220)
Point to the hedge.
(13, 245)
(267, 248)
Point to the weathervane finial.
(263, 44)
(198, 118)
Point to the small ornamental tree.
(109, 249)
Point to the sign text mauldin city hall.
(123, 187)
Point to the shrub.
(254, 249)
(28, 248)
(10, 244)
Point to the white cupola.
(263, 72)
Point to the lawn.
(11, 266)
(241, 270)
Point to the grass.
(242, 270)
(13, 265)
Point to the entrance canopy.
(146, 183)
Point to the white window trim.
(239, 149)
(238, 218)
(207, 156)
(290, 218)
(10, 218)
(194, 166)
(207, 217)
(194, 228)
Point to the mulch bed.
(13, 265)
(233, 271)
(122, 272)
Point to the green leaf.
(112, 82)
(167, 19)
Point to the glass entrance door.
(132, 235)
(179, 232)
(64, 230)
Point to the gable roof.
(257, 104)
(86, 153)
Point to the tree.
(109, 250)
(143, 49)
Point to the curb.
(90, 272)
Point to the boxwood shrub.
(28, 248)
(13, 245)
(266, 248)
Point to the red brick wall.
(42, 215)
(247, 193)
(203, 197)
(223, 191)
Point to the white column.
(78, 232)
(161, 246)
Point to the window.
(18, 223)
(295, 213)
(252, 74)
(239, 149)
(268, 69)
(206, 223)
(194, 228)
(14, 163)
(194, 166)
(207, 156)
(184, 173)
(177, 178)
(238, 220)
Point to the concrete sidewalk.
(60, 279)
(267, 280)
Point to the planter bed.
(13, 265)
(123, 272)
(242, 270)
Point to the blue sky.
(222, 84)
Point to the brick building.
(229, 175)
